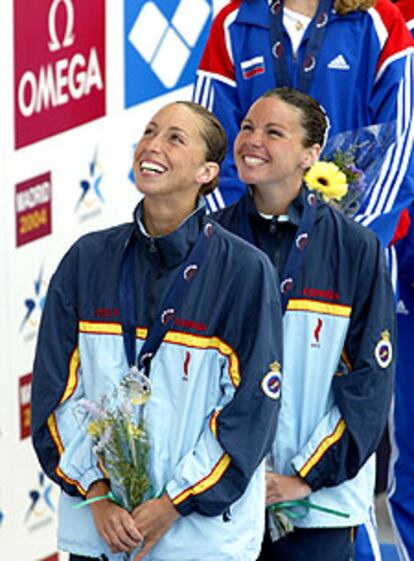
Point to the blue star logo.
(40, 499)
(36, 302)
(90, 187)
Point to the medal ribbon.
(297, 251)
(304, 505)
(318, 28)
(170, 306)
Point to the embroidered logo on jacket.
(316, 334)
(339, 63)
(402, 308)
(190, 324)
(383, 350)
(272, 381)
(186, 366)
(252, 67)
(319, 293)
(107, 313)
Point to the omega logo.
(68, 39)
(69, 78)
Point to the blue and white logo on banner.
(40, 499)
(34, 305)
(164, 40)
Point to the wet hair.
(214, 138)
(313, 118)
(344, 7)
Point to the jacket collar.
(254, 12)
(295, 208)
(172, 249)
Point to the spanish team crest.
(383, 350)
(272, 381)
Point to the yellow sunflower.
(328, 180)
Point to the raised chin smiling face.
(170, 153)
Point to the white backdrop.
(78, 81)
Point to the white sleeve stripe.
(388, 183)
(403, 110)
(391, 260)
(407, 142)
(219, 198)
(393, 58)
(388, 195)
(218, 77)
(382, 31)
(371, 529)
(394, 268)
(211, 100)
(206, 92)
(392, 485)
(227, 22)
(210, 202)
(410, 24)
(198, 87)
(380, 180)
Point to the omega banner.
(78, 81)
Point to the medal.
(135, 386)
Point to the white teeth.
(253, 160)
(152, 167)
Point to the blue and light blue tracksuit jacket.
(373, 84)
(211, 417)
(338, 359)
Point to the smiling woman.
(279, 139)
(180, 326)
(177, 158)
(338, 316)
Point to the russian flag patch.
(252, 67)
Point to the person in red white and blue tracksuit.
(401, 497)
(363, 76)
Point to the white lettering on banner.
(36, 195)
(54, 44)
(25, 392)
(57, 84)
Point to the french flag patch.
(252, 67)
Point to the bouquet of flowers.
(350, 165)
(120, 441)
